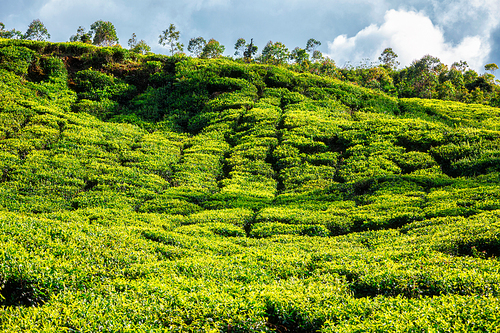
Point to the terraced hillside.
(143, 193)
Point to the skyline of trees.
(427, 77)
(104, 34)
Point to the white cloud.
(450, 29)
(411, 35)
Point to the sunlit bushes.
(452, 113)
(237, 197)
(16, 59)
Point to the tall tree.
(250, 51)
(423, 75)
(299, 55)
(491, 67)
(240, 46)
(213, 49)
(244, 49)
(388, 59)
(9, 34)
(36, 31)
(460, 66)
(104, 33)
(81, 36)
(170, 38)
(490, 77)
(312, 44)
(196, 45)
(317, 56)
(138, 46)
(275, 53)
(132, 41)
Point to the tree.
(247, 50)
(299, 55)
(104, 33)
(491, 67)
(170, 38)
(138, 46)
(9, 34)
(427, 63)
(141, 47)
(456, 77)
(213, 49)
(36, 31)
(132, 42)
(388, 58)
(240, 46)
(317, 56)
(250, 51)
(426, 72)
(312, 44)
(460, 66)
(326, 66)
(81, 36)
(196, 45)
(275, 53)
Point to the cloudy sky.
(350, 30)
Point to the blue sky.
(351, 31)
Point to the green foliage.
(97, 86)
(36, 31)
(300, 56)
(16, 59)
(138, 46)
(245, 50)
(388, 58)
(81, 36)
(104, 33)
(9, 34)
(212, 49)
(170, 37)
(274, 53)
(196, 46)
(153, 193)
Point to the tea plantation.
(153, 193)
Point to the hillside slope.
(153, 192)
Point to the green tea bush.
(16, 59)
(260, 230)
(95, 85)
(183, 194)
(237, 216)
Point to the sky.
(352, 32)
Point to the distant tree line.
(36, 31)
(424, 78)
(427, 78)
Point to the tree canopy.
(213, 49)
(104, 33)
(138, 46)
(275, 53)
(388, 58)
(9, 34)
(170, 37)
(426, 78)
(196, 45)
(81, 36)
(244, 49)
(36, 31)
(491, 67)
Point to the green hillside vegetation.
(171, 193)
